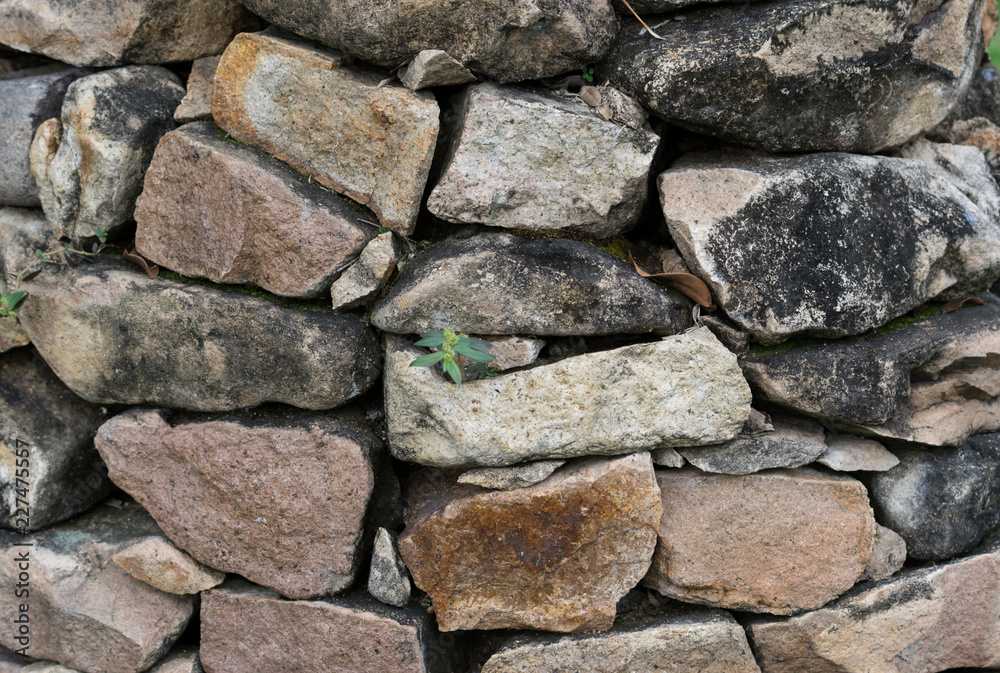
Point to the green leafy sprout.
(452, 346)
(587, 74)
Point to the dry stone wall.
(499, 337)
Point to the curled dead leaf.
(688, 284)
(590, 95)
(151, 269)
(955, 305)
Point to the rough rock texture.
(667, 457)
(792, 443)
(86, 612)
(388, 580)
(89, 163)
(979, 133)
(555, 556)
(524, 159)
(507, 41)
(227, 212)
(114, 335)
(27, 98)
(246, 628)
(180, 660)
(509, 478)
(22, 231)
(943, 501)
(12, 335)
(46, 667)
(433, 67)
(501, 284)
(778, 542)
(367, 275)
(197, 102)
(513, 352)
(921, 621)
(887, 557)
(680, 639)
(930, 379)
(99, 32)
(280, 94)
(220, 489)
(847, 453)
(981, 99)
(158, 563)
(733, 72)
(685, 390)
(831, 244)
(47, 455)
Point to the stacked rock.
(494, 337)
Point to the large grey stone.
(833, 244)
(113, 335)
(792, 442)
(89, 163)
(785, 77)
(685, 390)
(524, 159)
(495, 283)
(509, 41)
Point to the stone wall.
(499, 337)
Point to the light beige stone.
(512, 352)
(158, 563)
(197, 102)
(848, 453)
(433, 67)
(667, 457)
(12, 334)
(511, 477)
(368, 274)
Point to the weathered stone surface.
(12, 335)
(921, 621)
(114, 335)
(86, 612)
(981, 99)
(367, 275)
(555, 556)
(509, 478)
(496, 283)
(735, 71)
(227, 212)
(47, 667)
(792, 443)
(887, 557)
(22, 231)
(47, 455)
(89, 163)
(847, 453)
(27, 98)
(280, 94)
(978, 132)
(524, 159)
(943, 501)
(667, 457)
(95, 32)
(433, 67)
(12, 663)
(507, 41)
(778, 542)
(246, 628)
(783, 245)
(219, 488)
(158, 563)
(388, 580)
(680, 639)
(685, 390)
(930, 380)
(182, 659)
(513, 352)
(197, 102)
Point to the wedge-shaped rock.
(197, 102)
(792, 442)
(931, 380)
(509, 41)
(433, 67)
(784, 76)
(99, 32)
(182, 659)
(158, 563)
(224, 211)
(847, 453)
(113, 335)
(778, 542)
(921, 621)
(555, 556)
(887, 557)
(247, 628)
(830, 244)
(89, 163)
(219, 488)
(388, 580)
(685, 390)
(47, 456)
(679, 639)
(943, 501)
(496, 283)
(84, 611)
(281, 94)
(523, 159)
(509, 478)
(367, 275)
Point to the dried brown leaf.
(955, 305)
(151, 269)
(590, 95)
(687, 284)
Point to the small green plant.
(453, 347)
(587, 74)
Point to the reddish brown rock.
(224, 211)
(246, 628)
(555, 556)
(778, 542)
(329, 120)
(280, 499)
